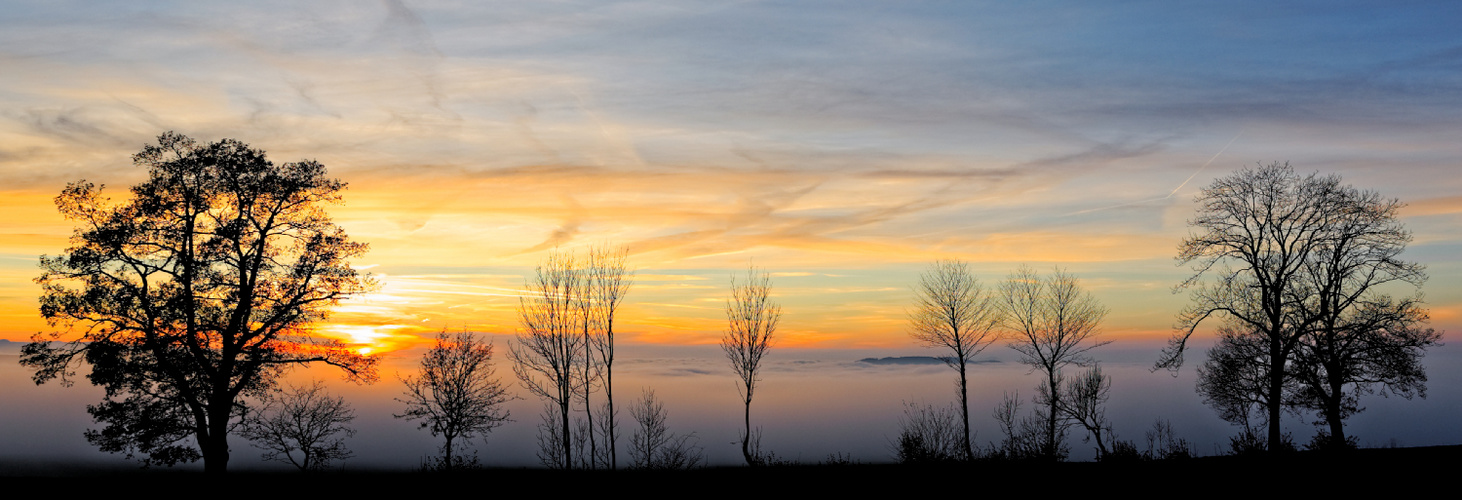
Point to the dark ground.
(1388, 469)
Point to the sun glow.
(374, 339)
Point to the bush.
(653, 446)
(928, 434)
(1122, 451)
(1163, 443)
(1024, 436)
(1250, 443)
(1322, 443)
(840, 459)
(457, 463)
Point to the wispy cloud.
(475, 137)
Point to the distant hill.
(914, 360)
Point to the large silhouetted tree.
(195, 290)
(456, 394)
(1053, 323)
(1378, 345)
(1299, 260)
(1359, 337)
(1255, 230)
(952, 311)
(751, 321)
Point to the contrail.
(1205, 165)
(1175, 190)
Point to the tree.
(305, 420)
(602, 285)
(653, 446)
(954, 312)
(591, 372)
(1302, 259)
(1380, 344)
(550, 352)
(1053, 322)
(1359, 338)
(1024, 437)
(1234, 379)
(566, 349)
(551, 444)
(198, 289)
(1085, 402)
(927, 434)
(610, 280)
(1268, 221)
(456, 394)
(1164, 444)
(751, 321)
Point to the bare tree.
(1024, 437)
(1164, 444)
(303, 426)
(550, 351)
(552, 451)
(752, 320)
(456, 394)
(1054, 323)
(1360, 338)
(607, 424)
(590, 371)
(1085, 402)
(1380, 344)
(566, 349)
(610, 281)
(1267, 221)
(653, 446)
(953, 311)
(1234, 379)
(927, 433)
(1299, 260)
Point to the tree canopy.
(199, 288)
(751, 322)
(953, 310)
(457, 394)
(1300, 265)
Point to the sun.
(372, 339)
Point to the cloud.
(1433, 206)
(476, 137)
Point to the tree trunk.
(1333, 412)
(746, 438)
(215, 460)
(1051, 445)
(1276, 392)
(589, 415)
(964, 408)
(214, 442)
(568, 454)
(609, 398)
(1101, 443)
(448, 449)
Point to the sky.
(839, 146)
